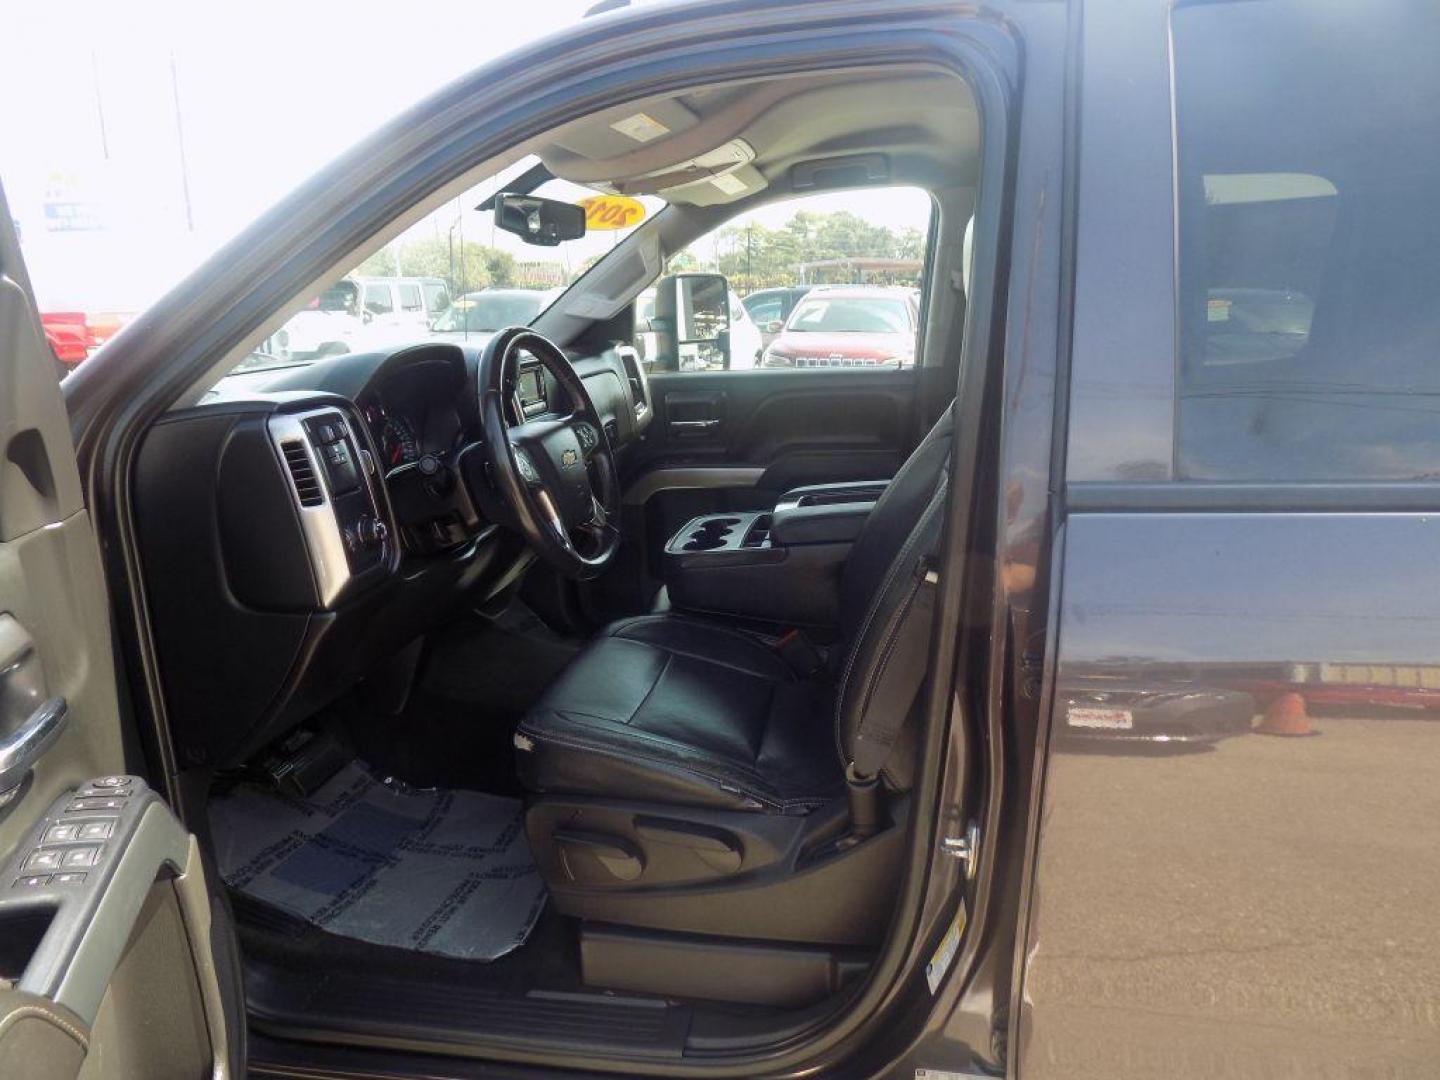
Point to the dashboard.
(301, 526)
(415, 410)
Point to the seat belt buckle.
(799, 654)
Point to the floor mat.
(444, 872)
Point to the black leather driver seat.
(678, 710)
(706, 729)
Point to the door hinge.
(965, 848)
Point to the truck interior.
(599, 725)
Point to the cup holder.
(712, 534)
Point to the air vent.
(307, 484)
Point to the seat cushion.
(673, 709)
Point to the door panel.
(737, 440)
(1199, 905)
(77, 911)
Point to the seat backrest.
(904, 526)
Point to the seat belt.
(886, 711)
(902, 669)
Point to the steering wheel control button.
(80, 856)
(33, 881)
(44, 859)
(62, 834)
(96, 830)
(527, 470)
(69, 877)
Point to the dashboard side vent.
(307, 484)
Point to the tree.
(753, 256)
(464, 267)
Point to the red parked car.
(74, 335)
(846, 326)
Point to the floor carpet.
(435, 871)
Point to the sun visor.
(620, 131)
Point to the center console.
(781, 565)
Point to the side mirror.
(546, 222)
(774, 326)
(692, 321)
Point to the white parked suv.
(359, 313)
(403, 303)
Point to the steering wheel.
(556, 473)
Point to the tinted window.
(377, 299)
(1309, 231)
(871, 242)
(437, 297)
(850, 315)
(492, 310)
(767, 309)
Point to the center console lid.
(823, 513)
(781, 567)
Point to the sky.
(257, 97)
(268, 93)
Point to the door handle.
(22, 747)
(693, 427)
(27, 729)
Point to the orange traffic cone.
(1286, 716)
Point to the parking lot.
(1295, 909)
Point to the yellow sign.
(604, 213)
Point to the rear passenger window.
(1309, 241)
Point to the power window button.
(32, 881)
(114, 802)
(115, 786)
(44, 860)
(61, 834)
(96, 830)
(70, 877)
(80, 857)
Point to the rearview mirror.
(546, 222)
(692, 321)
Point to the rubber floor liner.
(445, 872)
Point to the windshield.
(851, 315)
(454, 272)
(484, 311)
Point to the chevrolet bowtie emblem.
(568, 458)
